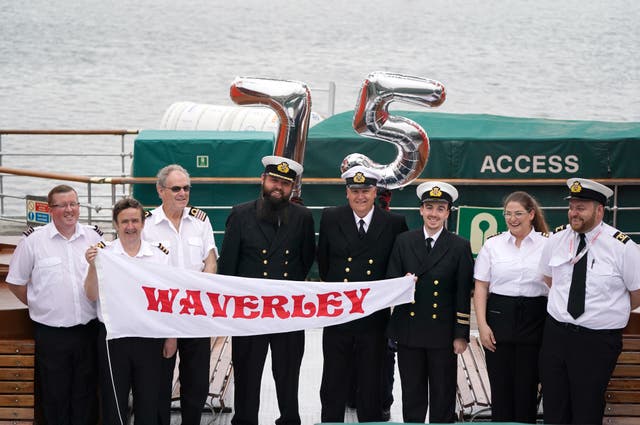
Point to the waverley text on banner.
(155, 301)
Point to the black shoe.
(386, 415)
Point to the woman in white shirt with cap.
(510, 300)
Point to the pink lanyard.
(582, 253)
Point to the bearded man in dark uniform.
(433, 329)
(354, 245)
(269, 238)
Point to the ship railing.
(330, 92)
(117, 183)
(87, 156)
(91, 153)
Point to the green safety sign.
(478, 223)
(202, 161)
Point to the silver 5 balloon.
(372, 119)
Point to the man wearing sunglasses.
(187, 233)
(46, 273)
(270, 238)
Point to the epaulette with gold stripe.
(198, 213)
(147, 214)
(560, 228)
(101, 244)
(463, 318)
(495, 234)
(621, 237)
(29, 231)
(97, 230)
(163, 249)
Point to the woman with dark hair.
(510, 300)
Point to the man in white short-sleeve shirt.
(592, 271)
(187, 233)
(47, 274)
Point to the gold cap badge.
(435, 192)
(576, 187)
(283, 167)
(358, 178)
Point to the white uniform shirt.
(190, 245)
(147, 252)
(434, 237)
(53, 268)
(367, 220)
(510, 270)
(612, 271)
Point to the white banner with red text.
(143, 299)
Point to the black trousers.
(248, 355)
(576, 365)
(388, 373)
(428, 379)
(195, 354)
(517, 324)
(342, 351)
(67, 373)
(131, 364)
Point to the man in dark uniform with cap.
(433, 329)
(592, 270)
(270, 238)
(354, 245)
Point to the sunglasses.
(176, 189)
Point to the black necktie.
(575, 306)
(361, 231)
(428, 243)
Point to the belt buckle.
(575, 328)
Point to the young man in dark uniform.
(592, 271)
(354, 245)
(269, 238)
(433, 329)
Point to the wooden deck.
(623, 394)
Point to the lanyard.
(582, 253)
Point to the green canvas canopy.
(463, 146)
(489, 146)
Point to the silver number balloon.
(372, 119)
(291, 101)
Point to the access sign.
(38, 213)
(478, 223)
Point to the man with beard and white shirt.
(592, 271)
(187, 233)
(269, 238)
